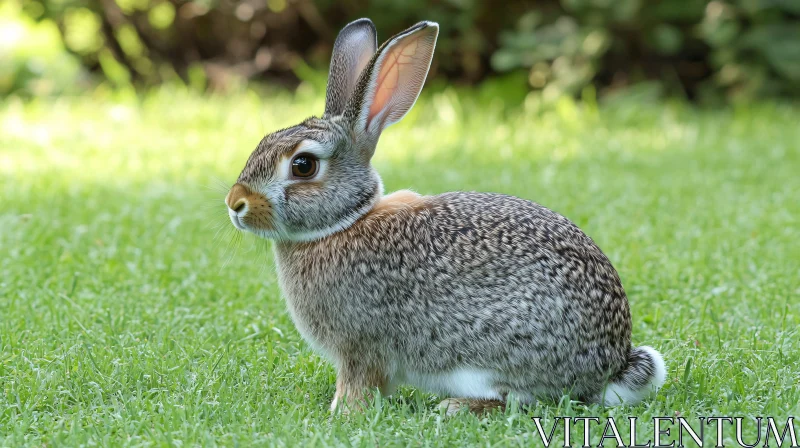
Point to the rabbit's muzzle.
(248, 209)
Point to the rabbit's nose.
(237, 198)
(239, 205)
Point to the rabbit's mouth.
(236, 220)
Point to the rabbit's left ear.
(354, 48)
(391, 83)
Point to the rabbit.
(475, 297)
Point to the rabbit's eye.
(304, 166)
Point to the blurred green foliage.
(743, 49)
(720, 49)
(32, 55)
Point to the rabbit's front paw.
(356, 388)
(453, 406)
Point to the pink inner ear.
(397, 66)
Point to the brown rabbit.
(473, 296)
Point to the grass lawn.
(132, 313)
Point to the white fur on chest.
(464, 382)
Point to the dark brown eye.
(304, 166)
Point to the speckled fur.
(476, 279)
(495, 291)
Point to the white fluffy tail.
(643, 376)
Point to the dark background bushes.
(706, 50)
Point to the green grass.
(131, 314)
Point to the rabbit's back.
(484, 281)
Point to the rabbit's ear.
(392, 81)
(352, 51)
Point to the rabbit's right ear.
(391, 83)
(352, 51)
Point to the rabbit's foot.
(356, 387)
(351, 399)
(452, 406)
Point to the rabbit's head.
(308, 181)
